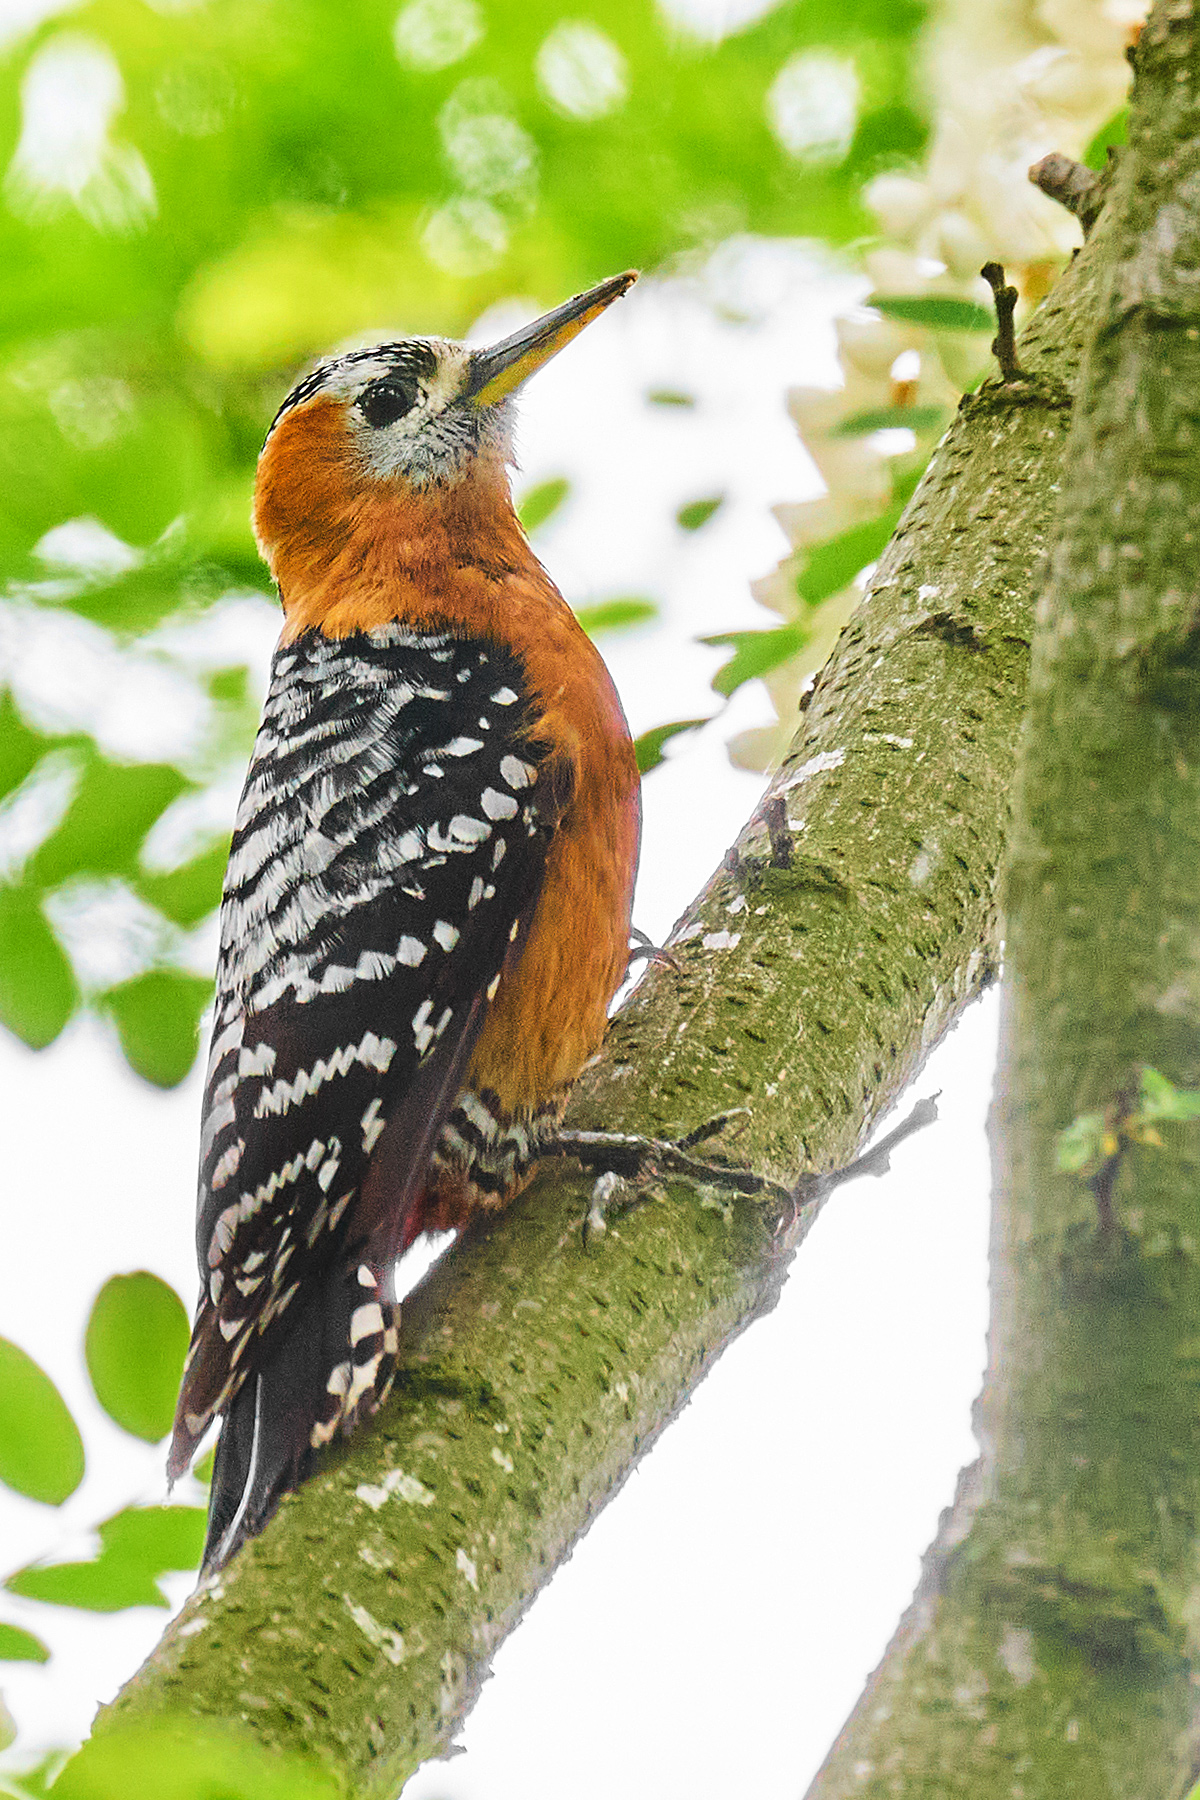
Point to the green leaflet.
(537, 507)
(650, 745)
(38, 990)
(832, 566)
(157, 1016)
(189, 893)
(754, 653)
(616, 615)
(187, 1760)
(890, 418)
(136, 1546)
(941, 312)
(1162, 1100)
(698, 512)
(1111, 135)
(1079, 1144)
(136, 1339)
(17, 1645)
(41, 1451)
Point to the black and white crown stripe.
(410, 357)
(388, 848)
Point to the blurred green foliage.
(199, 199)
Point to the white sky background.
(713, 1629)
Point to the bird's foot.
(631, 1169)
(645, 947)
(612, 1193)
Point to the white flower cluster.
(1011, 80)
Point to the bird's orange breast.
(350, 553)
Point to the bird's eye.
(388, 400)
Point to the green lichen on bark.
(1053, 1646)
(850, 924)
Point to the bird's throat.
(350, 552)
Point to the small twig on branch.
(1072, 184)
(876, 1161)
(1004, 345)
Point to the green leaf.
(157, 1016)
(113, 808)
(1113, 134)
(669, 397)
(189, 893)
(41, 1451)
(38, 990)
(755, 653)
(941, 312)
(833, 565)
(649, 746)
(1161, 1099)
(616, 615)
(539, 505)
(187, 1760)
(698, 512)
(890, 418)
(202, 1471)
(21, 1646)
(136, 1340)
(136, 1545)
(1080, 1143)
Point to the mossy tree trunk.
(843, 934)
(1054, 1646)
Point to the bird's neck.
(349, 552)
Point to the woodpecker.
(427, 907)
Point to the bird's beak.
(499, 371)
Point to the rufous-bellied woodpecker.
(426, 911)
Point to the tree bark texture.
(1052, 1648)
(842, 935)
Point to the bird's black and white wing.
(386, 860)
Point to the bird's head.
(415, 420)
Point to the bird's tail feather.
(332, 1370)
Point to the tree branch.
(810, 987)
(1052, 1647)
